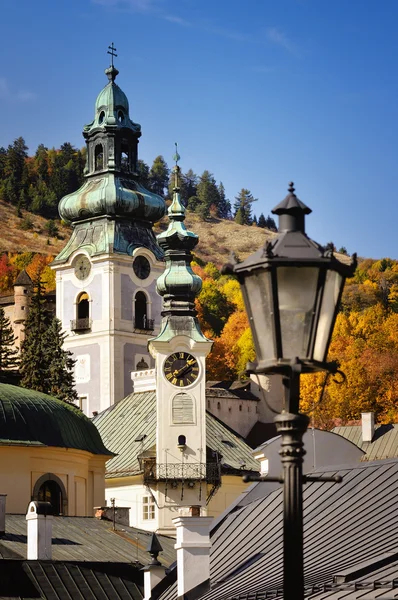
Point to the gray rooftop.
(350, 540)
(87, 539)
(383, 445)
(124, 425)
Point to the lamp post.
(292, 289)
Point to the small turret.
(22, 292)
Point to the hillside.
(217, 237)
(14, 239)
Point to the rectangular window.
(148, 508)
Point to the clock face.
(141, 267)
(181, 369)
(82, 267)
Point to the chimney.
(3, 514)
(40, 523)
(368, 426)
(154, 572)
(193, 550)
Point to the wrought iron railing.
(80, 324)
(144, 324)
(209, 472)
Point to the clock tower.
(181, 471)
(106, 274)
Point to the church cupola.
(112, 137)
(112, 188)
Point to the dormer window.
(120, 116)
(99, 157)
(101, 117)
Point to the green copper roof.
(112, 106)
(111, 195)
(128, 428)
(178, 284)
(34, 419)
(111, 190)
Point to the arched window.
(182, 409)
(140, 311)
(99, 157)
(83, 306)
(50, 488)
(101, 117)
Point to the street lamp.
(292, 289)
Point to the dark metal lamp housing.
(292, 289)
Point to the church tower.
(106, 274)
(181, 473)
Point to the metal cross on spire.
(112, 52)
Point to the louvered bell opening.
(182, 409)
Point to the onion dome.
(112, 189)
(178, 284)
(30, 418)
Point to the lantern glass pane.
(331, 293)
(257, 294)
(297, 291)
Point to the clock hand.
(182, 370)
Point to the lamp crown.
(291, 212)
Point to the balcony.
(144, 324)
(80, 325)
(153, 472)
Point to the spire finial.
(111, 71)
(291, 187)
(176, 158)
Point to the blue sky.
(260, 92)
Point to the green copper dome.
(112, 106)
(29, 418)
(111, 211)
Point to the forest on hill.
(37, 183)
(365, 340)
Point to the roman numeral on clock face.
(181, 369)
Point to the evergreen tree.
(261, 221)
(190, 180)
(208, 194)
(243, 207)
(35, 356)
(45, 366)
(60, 370)
(9, 359)
(159, 175)
(270, 223)
(224, 205)
(15, 171)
